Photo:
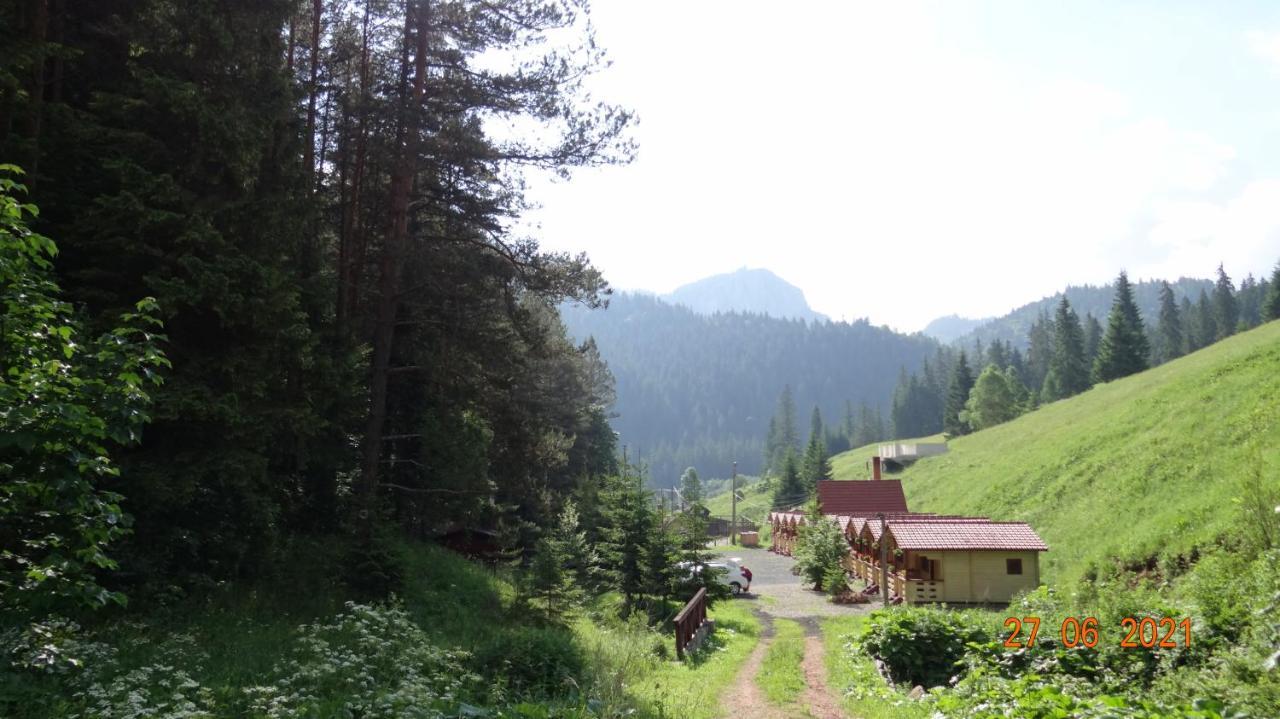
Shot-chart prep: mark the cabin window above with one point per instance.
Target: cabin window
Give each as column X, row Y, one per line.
column 1013, row 566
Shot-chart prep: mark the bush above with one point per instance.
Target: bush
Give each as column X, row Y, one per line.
column 369, row 662
column 920, row 646
column 532, row 662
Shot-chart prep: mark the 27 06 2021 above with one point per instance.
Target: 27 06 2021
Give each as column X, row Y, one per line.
column 1147, row 632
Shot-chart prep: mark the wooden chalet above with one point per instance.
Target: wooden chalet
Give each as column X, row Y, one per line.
column 931, row 558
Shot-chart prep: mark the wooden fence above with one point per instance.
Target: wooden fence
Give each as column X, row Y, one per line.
column 689, row 620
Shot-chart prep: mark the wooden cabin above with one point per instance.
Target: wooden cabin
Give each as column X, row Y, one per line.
column 954, row 560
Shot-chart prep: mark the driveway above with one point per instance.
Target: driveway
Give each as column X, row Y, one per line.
column 779, row 592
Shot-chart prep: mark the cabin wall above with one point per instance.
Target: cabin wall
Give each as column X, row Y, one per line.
column 981, row 576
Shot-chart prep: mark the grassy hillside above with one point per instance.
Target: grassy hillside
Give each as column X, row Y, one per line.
column 1150, row 466
column 457, row 632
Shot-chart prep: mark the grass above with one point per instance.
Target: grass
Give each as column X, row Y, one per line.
column 692, row 689
column 1145, row 470
column 781, row 677
column 241, row 639
column 854, row 464
column 757, row 500
column 853, row 677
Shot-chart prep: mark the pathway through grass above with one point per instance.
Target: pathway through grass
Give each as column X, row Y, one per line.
column 785, row 676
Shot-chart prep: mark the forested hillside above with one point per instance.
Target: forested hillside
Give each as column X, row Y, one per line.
column 1015, row 327
column 697, row 390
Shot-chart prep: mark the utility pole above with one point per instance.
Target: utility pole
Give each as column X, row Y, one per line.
column 884, row 559
column 733, row 497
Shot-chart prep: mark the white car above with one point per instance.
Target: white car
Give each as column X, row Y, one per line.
column 730, row 571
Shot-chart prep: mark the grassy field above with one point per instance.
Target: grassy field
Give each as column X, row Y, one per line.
column 781, row 676
column 1148, row 469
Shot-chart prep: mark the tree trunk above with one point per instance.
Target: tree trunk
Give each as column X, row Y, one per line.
column 35, row 110
column 309, row 152
column 353, row 242
column 389, row 264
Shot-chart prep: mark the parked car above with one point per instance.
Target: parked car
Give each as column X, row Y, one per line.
column 729, row 570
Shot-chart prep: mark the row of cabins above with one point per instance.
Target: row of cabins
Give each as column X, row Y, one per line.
column 931, row 558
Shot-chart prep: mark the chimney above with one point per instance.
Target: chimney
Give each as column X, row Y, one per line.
column 875, row 468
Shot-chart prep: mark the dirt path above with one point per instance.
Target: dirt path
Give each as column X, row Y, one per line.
column 817, row 697
column 744, row 700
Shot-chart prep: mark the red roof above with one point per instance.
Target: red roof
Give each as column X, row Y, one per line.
column 863, row 497
column 909, row 534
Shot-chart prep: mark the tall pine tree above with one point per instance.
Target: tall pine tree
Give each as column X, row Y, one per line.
column 1068, row 373
column 1124, row 348
column 957, row 396
column 1169, row 328
column 1271, row 307
column 1226, row 312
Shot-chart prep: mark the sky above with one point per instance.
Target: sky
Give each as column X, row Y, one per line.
column 902, row 161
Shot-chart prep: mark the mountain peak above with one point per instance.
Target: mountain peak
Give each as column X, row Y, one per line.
column 757, row 291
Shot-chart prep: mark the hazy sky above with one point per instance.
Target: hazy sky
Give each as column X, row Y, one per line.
column 902, row 161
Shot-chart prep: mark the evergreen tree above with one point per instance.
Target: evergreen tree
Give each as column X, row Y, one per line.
column 1039, row 350
column 848, row 428
column 552, row 590
column 957, row 395
column 691, row 487
column 667, row 580
column 820, row 547
column 1250, row 300
column 1271, row 306
column 1226, row 312
column 1206, row 323
column 1124, row 349
column 1169, row 341
column 1092, row 338
column 580, row 558
column 1190, row 331
column 628, row 512
column 1068, row 373
column 785, row 438
column 993, row 399
column 816, row 466
column 791, row 491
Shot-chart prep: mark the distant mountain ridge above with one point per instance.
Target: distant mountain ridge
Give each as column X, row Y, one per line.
column 756, row 291
column 951, row 327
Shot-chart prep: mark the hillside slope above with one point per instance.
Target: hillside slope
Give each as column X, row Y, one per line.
column 1148, row 466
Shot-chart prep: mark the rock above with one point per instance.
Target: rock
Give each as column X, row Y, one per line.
column 916, row 692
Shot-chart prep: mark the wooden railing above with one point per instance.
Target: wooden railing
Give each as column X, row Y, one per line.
column 689, row 620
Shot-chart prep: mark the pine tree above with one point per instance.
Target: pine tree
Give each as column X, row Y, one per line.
column 1189, row 326
column 1271, row 306
column 691, row 487
column 1226, row 311
column 1068, row 373
column 1039, row 350
column 816, row 466
column 1124, row 348
column 1206, row 324
column 791, row 490
column 1092, row 338
column 1250, row 299
column 628, row 512
column 552, row 590
column 1169, row 330
column 957, row 395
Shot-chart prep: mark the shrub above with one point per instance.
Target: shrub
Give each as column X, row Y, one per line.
column 920, row 646
column 369, row 661
column 532, row 662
